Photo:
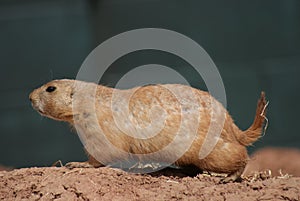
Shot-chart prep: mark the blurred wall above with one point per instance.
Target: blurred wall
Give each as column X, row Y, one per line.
column 255, row 45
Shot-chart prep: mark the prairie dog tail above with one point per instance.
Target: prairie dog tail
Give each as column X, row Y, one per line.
column 250, row 135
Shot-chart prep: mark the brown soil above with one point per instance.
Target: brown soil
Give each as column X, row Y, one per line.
column 278, row 160
column 59, row 183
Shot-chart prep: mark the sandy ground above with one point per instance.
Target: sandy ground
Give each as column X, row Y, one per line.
column 60, row 183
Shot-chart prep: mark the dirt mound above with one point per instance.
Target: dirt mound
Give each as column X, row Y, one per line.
column 112, row 184
column 278, row 160
column 5, row 168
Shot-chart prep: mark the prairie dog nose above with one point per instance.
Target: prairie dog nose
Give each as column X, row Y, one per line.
column 31, row 96
column 34, row 96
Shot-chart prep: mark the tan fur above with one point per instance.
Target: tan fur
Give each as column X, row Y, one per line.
column 228, row 156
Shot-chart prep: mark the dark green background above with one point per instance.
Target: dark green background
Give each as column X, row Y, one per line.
column 255, row 45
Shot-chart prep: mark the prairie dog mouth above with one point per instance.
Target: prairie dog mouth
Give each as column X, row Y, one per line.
column 40, row 111
column 35, row 106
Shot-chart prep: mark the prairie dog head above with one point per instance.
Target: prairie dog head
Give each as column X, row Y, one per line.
column 54, row 99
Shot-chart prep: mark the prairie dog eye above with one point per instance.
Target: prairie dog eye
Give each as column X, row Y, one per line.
column 50, row 89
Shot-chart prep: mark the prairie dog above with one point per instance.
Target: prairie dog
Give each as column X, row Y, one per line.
column 171, row 110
